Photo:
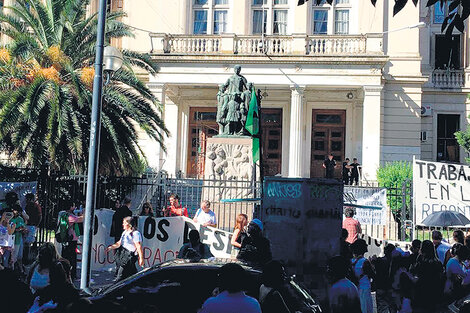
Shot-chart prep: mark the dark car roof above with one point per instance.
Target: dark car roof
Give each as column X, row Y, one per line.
column 177, row 263
column 210, row 265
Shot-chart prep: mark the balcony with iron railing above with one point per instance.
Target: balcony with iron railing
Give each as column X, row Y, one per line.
column 274, row 45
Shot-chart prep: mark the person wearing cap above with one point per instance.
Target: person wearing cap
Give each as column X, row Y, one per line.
column 255, row 247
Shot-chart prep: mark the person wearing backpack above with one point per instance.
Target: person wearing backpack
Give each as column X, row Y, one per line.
column 364, row 272
column 68, row 234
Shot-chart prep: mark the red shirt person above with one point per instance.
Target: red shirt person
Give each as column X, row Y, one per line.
column 175, row 208
column 351, row 225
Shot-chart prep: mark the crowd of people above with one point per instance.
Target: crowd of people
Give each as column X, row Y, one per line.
column 48, row 286
column 18, row 226
column 433, row 276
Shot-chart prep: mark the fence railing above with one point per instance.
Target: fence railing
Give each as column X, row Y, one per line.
column 336, row 45
column 55, row 188
column 400, row 210
column 448, row 78
column 297, row 44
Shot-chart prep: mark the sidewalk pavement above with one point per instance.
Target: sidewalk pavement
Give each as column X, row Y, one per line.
column 99, row 279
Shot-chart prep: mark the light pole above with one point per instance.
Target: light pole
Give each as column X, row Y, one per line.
column 113, row 61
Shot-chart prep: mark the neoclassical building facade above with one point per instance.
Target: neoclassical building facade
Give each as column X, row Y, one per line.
column 349, row 79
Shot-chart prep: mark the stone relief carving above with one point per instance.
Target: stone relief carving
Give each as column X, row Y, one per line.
column 228, row 162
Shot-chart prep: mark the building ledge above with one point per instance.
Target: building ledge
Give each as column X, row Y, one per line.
column 262, row 59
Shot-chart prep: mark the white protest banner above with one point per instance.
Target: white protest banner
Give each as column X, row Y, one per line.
column 370, row 204
column 438, row 187
column 162, row 239
column 21, row 188
column 217, row 239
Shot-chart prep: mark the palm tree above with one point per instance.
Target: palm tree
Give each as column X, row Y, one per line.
column 46, row 78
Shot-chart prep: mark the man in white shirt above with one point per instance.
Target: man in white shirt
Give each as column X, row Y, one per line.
column 205, row 215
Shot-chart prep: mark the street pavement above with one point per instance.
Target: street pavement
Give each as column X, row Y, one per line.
column 99, row 279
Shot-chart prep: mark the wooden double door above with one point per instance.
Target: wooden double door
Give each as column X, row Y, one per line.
column 328, row 136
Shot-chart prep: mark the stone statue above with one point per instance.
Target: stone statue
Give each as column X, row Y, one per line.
column 244, row 107
column 221, row 109
column 231, row 104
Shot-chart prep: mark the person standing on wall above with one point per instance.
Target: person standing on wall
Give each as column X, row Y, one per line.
column 329, row 165
column 131, row 243
column 346, row 171
column 354, row 166
column 116, row 227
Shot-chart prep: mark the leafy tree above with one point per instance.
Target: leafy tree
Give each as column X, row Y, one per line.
column 394, row 176
column 463, row 139
column 46, row 81
column 454, row 19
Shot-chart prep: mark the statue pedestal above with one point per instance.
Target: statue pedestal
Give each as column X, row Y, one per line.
column 228, row 173
column 229, row 158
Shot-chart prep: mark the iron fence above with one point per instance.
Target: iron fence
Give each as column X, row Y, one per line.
column 400, row 213
column 55, row 188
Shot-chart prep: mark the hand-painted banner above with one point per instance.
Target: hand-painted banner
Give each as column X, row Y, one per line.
column 162, row 239
column 440, row 186
column 370, row 204
column 21, row 188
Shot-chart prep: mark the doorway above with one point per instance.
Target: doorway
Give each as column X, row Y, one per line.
column 271, row 124
column 328, row 136
column 202, row 125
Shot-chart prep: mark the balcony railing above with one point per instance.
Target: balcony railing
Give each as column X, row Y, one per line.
column 448, row 78
column 310, row 45
column 336, row 45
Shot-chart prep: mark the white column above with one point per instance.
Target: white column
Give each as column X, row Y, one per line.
column 183, row 160
column 150, row 146
column 296, row 143
column 172, row 122
column 371, row 136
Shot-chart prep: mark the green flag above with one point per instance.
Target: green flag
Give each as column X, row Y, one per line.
column 252, row 124
column 252, row 120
